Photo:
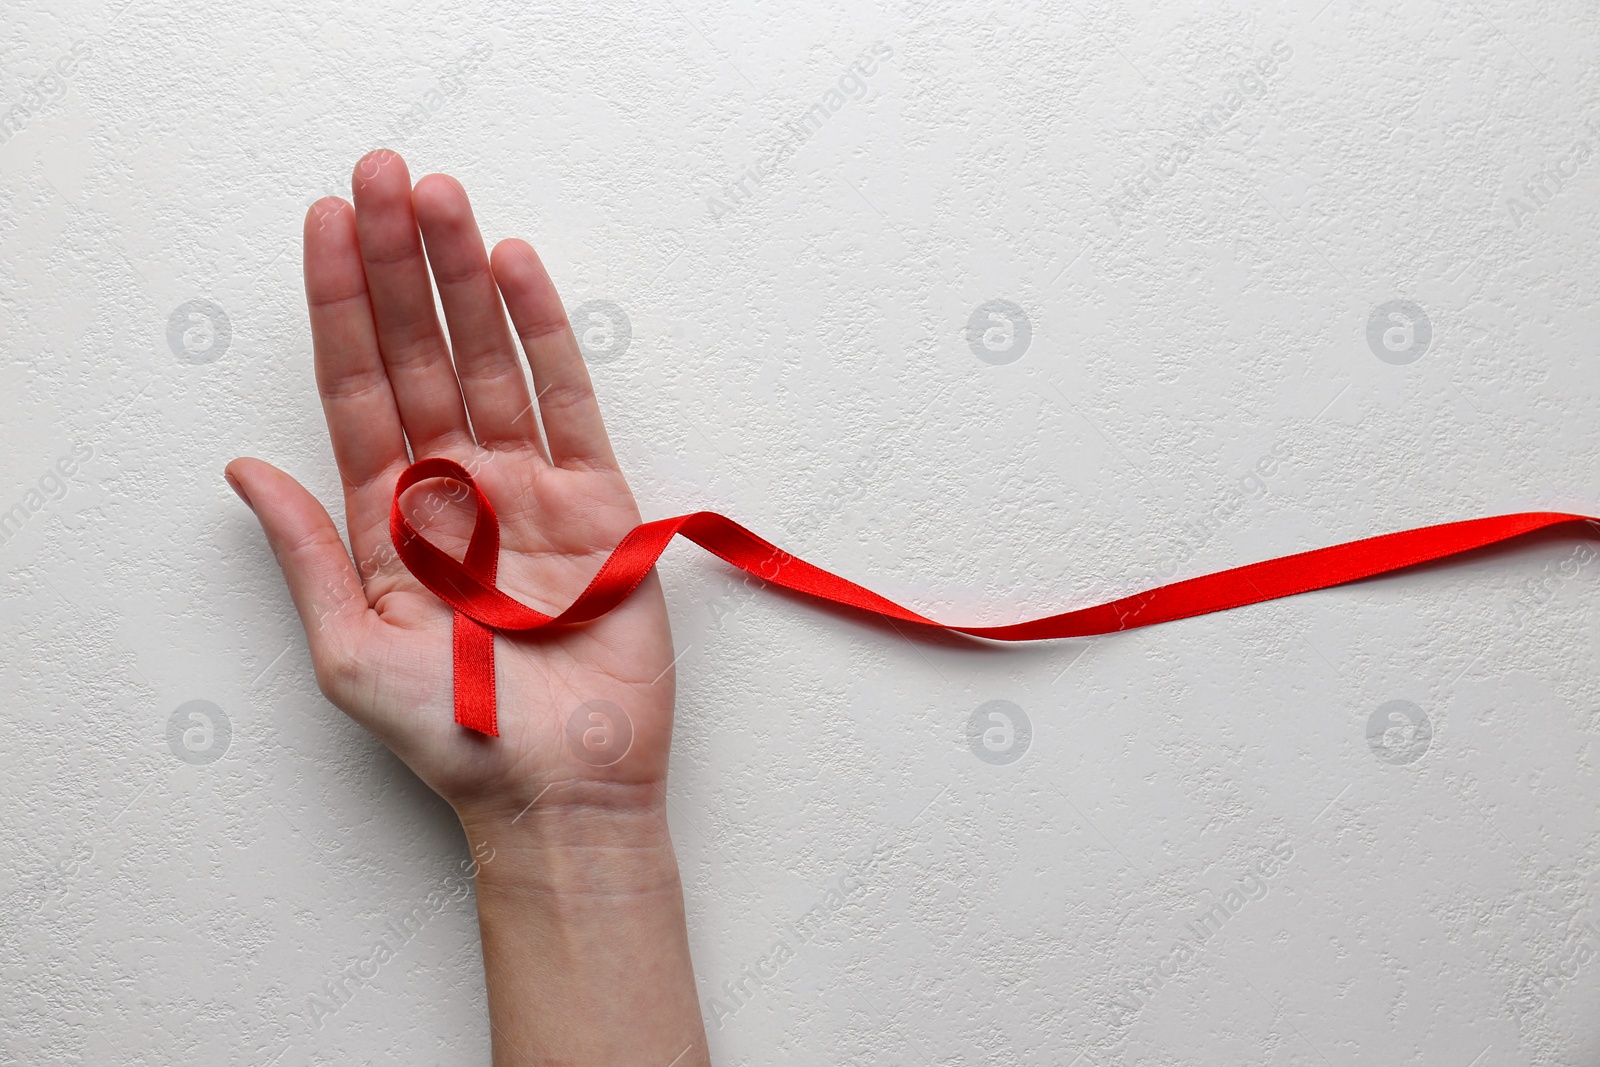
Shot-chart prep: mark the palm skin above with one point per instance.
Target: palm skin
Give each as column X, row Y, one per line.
column 388, row 378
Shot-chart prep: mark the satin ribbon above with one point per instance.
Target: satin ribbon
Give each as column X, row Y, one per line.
column 468, row 585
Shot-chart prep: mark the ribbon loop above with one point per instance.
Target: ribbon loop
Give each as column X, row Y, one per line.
column 468, row 585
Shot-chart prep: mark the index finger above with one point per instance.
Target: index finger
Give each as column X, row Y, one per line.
column 357, row 400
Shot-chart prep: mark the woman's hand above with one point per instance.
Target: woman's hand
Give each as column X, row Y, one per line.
column 585, row 949
column 380, row 641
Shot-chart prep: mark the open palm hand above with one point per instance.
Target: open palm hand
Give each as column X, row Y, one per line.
column 389, row 380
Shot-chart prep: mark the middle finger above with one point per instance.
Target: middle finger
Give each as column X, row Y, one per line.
column 413, row 345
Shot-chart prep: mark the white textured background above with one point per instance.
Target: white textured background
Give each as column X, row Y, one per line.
column 1197, row 303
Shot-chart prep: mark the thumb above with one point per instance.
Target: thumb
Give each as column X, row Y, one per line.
column 321, row 577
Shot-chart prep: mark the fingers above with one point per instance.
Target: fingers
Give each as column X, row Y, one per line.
column 357, row 401
column 321, row 578
column 409, row 337
column 567, row 406
column 493, row 382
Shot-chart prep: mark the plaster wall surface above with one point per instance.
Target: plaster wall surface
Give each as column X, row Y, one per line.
column 1053, row 303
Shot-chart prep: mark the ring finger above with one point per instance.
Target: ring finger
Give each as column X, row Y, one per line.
column 493, row 382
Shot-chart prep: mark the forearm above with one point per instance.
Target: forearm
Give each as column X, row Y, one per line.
column 585, row 947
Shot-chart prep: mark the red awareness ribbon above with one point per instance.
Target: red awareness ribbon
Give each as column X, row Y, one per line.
column 481, row 609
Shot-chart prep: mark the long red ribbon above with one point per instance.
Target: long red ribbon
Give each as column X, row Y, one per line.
column 480, row 608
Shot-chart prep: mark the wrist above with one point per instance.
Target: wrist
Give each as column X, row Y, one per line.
column 585, row 946
column 573, row 840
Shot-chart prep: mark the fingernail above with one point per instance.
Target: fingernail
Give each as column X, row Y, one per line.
column 237, row 488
